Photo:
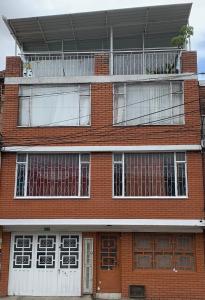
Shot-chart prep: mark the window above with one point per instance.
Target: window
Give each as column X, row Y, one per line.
column 52, row 175
column 148, row 104
column 49, row 105
column 108, row 252
column 149, row 175
column 164, row 251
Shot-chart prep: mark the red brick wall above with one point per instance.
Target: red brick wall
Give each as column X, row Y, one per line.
column 202, row 99
column 14, row 66
column 162, row 284
column 189, row 62
column 4, row 272
column 101, row 204
column 102, row 132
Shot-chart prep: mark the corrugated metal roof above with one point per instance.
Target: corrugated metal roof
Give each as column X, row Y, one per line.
column 47, row 32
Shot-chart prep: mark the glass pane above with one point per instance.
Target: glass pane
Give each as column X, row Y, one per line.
column 143, row 243
column 181, row 179
column 117, row 179
column 185, row 262
column 180, row 156
column 85, row 157
column 143, row 261
column 184, row 243
column 20, row 184
column 53, row 175
column 84, row 179
column 119, row 110
column 163, row 261
column 21, row 157
column 150, row 174
column 163, row 243
column 117, row 157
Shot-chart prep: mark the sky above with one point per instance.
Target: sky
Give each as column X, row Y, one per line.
column 30, row 8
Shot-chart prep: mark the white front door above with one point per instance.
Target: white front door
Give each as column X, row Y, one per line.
column 45, row 264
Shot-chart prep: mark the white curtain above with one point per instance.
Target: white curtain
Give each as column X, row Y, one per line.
column 54, row 105
column 68, row 66
column 150, row 103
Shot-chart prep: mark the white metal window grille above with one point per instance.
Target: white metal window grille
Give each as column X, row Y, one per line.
column 149, row 103
column 54, row 105
column 160, row 251
column 53, row 175
column 22, row 252
column 149, row 175
column 46, row 252
column 69, row 251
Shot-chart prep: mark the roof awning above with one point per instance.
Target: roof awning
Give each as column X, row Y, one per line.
column 90, row 30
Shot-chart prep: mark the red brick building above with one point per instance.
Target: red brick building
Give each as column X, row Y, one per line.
column 101, row 169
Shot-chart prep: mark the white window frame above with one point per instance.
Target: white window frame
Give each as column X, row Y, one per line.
column 124, row 123
column 51, row 126
column 149, row 197
column 51, row 197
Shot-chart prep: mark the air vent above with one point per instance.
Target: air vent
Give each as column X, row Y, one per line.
column 137, row 291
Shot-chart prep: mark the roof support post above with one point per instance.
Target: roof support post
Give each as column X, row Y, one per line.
column 143, row 55
column 111, row 51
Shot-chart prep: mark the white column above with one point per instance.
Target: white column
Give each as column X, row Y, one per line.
column 143, row 56
column 111, row 51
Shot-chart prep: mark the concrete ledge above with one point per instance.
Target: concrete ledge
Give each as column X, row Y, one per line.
column 99, row 78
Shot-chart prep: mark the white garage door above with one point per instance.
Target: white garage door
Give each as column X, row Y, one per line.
column 45, row 264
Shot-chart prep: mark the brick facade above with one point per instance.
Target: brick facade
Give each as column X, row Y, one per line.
column 159, row 283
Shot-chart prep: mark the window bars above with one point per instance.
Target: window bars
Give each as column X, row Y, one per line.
column 52, row 175
column 149, row 175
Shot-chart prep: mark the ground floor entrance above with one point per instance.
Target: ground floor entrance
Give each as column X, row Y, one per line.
column 45, row 264
column 108, row 265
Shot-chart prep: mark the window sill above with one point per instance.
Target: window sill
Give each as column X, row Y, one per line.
column 51, row 198
column 59, row 126
column 164, row 271
column 150, row 198
column 147, row 125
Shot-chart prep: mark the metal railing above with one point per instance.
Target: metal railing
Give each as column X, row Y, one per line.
column 146, row 62
column 149, row 61
column 58, row 64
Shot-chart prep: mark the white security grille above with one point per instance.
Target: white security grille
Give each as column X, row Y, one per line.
column 52, row 175
column 150, row 175
column 148, row 104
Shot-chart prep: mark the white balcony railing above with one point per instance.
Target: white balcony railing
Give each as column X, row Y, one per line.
column 86, row 63
column 58, row 64
column 146, row 62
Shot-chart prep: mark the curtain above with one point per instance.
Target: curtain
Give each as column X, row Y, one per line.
column 54, row 105
column 150, row 103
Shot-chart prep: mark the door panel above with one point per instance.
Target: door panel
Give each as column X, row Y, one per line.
column 45, row 265
column 109, row 263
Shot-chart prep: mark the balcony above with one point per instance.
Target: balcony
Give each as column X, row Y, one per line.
column 55, row 64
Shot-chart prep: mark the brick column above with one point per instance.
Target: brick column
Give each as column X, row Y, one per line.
column 189, row 62
column 102, row 64
column 4, row 273
column 14, row 66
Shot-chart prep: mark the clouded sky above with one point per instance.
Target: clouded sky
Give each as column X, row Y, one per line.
column 30, row 8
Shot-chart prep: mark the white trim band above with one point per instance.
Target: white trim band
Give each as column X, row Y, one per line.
column 104, row 222
column 151, row 148
column 99, row 79
column 104, row 225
